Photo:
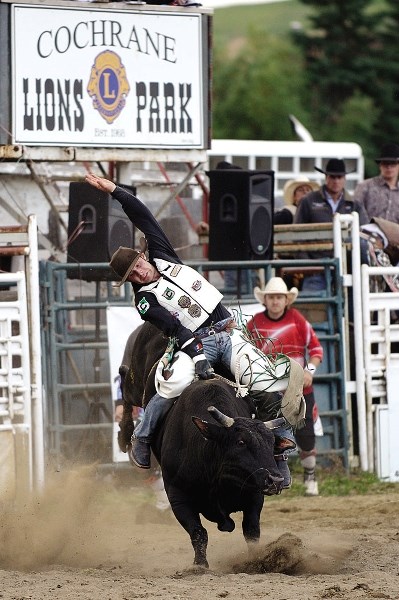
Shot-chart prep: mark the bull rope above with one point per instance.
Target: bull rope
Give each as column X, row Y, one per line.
column 242, row 390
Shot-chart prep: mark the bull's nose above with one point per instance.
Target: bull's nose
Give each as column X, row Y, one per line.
column 273, row 485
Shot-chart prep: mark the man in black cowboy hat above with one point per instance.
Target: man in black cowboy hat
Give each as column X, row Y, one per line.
column 320, row 207
column 380, row 195
column 187, row 308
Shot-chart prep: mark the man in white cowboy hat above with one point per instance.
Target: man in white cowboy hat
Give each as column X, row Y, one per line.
column 380, row 195
column 320, row 207
column 280, row 328
column 294, row 191
column 188, row 309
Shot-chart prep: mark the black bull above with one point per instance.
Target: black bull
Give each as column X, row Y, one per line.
column 208, row 468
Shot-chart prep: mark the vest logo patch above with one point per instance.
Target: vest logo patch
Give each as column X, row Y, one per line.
column 143, row 306
column 197, row 285
column 168, row 294
column 108, row 85
column 175, row 271
column 184, row 301
column 195, row 311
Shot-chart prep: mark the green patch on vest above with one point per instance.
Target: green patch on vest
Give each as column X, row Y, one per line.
column 143, row 306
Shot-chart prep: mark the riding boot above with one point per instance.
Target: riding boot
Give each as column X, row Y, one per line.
column 140, row 453
column 282, row 463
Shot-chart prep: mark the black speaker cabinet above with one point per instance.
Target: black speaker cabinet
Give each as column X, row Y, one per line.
column 241, row 206
column 98, row 223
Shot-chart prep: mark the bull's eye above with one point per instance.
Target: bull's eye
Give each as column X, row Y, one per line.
column 240, row 443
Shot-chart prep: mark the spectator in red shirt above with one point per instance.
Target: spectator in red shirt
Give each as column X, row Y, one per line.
column 282, row 329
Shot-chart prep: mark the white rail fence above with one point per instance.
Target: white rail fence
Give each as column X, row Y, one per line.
column 21, row 418
column 381, row 364
column 375, row 359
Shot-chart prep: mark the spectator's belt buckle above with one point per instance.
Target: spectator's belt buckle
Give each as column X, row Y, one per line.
column 211, row 331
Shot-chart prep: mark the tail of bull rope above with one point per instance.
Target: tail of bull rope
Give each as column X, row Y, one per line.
column 293, row 405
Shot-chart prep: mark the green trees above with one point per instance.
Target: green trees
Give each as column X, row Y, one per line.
column 352, row 71
column 339, row 75
column 388, row 82
column 344, row 70
column 257, row 88
column 339, row 49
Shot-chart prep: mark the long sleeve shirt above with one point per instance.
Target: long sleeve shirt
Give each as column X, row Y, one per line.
column 291, row 334
column 378, row 199
column 159, row 247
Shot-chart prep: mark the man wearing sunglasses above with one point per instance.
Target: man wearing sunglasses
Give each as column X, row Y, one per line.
column 380, row 195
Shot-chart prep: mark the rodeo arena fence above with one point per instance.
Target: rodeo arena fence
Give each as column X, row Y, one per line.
column 70, row 417
column 63, row 325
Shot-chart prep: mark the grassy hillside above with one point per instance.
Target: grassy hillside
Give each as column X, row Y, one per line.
column 234, row 22
column 277, row 17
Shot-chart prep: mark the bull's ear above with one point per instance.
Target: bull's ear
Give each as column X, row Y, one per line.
column 208, row 430
column 281, row 444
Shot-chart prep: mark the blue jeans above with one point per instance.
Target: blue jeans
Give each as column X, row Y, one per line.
column 314, row 283
column 282, row 464
column 217, row 348
column 155, row 410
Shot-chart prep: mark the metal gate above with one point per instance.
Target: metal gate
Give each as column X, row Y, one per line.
column 21, row 422
column 75, row 351
column 79, row 411
column 381, row 361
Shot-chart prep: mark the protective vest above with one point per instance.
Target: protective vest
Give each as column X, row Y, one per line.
column 184, row 293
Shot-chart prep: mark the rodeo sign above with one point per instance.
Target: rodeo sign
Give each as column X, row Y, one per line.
column 102, row 77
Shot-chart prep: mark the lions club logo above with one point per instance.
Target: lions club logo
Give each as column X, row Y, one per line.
column 108, row 85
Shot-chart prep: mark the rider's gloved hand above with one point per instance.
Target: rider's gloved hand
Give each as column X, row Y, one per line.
column 195, row 350
column 193, row 347
column 203, row 369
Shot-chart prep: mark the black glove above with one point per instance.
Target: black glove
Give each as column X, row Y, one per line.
column 203, row 369
column 195, row 350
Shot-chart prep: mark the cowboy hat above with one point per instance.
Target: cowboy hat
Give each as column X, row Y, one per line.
column 335, row 166
column 389, row 152
column 389, row 228
column 293, row 184
column 123, row 261
column 276, row 285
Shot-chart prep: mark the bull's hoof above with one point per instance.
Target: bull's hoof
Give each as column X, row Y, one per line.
column 227, row 525
column 200, row 567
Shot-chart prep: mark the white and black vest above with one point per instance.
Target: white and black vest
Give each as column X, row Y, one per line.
column 184, row 293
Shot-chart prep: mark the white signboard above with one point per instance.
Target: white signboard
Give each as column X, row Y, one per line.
column 96, row 77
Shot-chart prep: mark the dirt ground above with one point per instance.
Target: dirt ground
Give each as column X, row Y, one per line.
column 93, row 538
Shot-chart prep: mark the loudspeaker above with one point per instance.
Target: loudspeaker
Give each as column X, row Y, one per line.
column 103, row 224
column 241, row 206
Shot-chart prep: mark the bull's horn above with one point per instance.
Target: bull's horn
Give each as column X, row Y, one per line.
column 274, row 423
column 220, row 417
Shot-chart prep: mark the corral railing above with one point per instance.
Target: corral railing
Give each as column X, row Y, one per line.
column 355, row 326
column 21, row 402
column 79, row 411
column 381, row 363
column 75, row 351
